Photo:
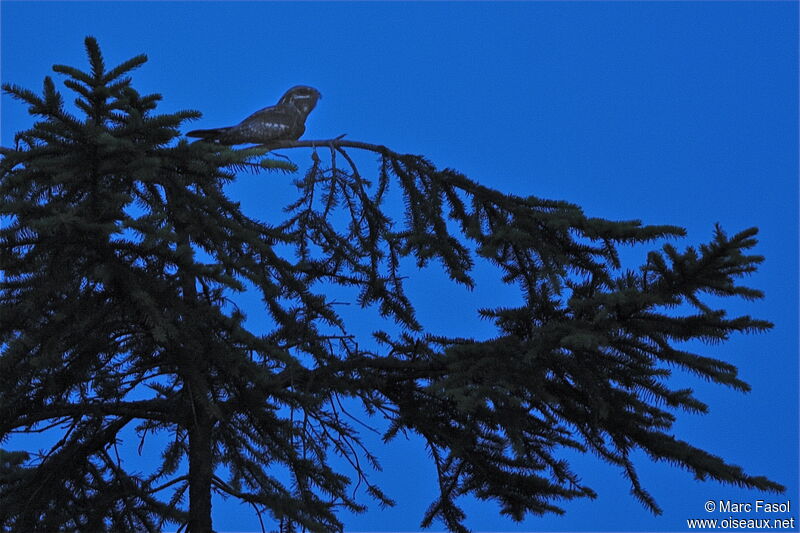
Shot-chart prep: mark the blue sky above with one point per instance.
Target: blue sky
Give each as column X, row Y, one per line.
column 678, row 113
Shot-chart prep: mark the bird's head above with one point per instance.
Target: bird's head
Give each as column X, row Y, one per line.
column 303, row 97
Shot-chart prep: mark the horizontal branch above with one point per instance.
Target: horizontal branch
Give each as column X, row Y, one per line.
column 144, row 409
column 337, row 142
column 400, row 369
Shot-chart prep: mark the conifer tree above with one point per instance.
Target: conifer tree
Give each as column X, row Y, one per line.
column 122, row 258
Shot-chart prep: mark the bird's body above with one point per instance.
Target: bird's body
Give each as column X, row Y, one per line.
column 285, row 120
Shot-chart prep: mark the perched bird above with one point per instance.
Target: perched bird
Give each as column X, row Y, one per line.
column 286, row 120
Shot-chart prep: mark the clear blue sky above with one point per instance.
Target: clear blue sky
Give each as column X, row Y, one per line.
column 671, row 112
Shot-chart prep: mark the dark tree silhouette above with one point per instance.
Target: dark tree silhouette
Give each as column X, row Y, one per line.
column 121, row 255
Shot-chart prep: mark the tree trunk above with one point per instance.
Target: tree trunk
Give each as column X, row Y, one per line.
column 195, row 372
column 200, row 467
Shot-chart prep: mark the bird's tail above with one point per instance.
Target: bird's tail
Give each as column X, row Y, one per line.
column 208, row 134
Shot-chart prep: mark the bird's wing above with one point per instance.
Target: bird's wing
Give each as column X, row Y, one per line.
column 272, row 122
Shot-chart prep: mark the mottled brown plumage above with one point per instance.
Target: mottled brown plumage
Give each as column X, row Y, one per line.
column 286, row 120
